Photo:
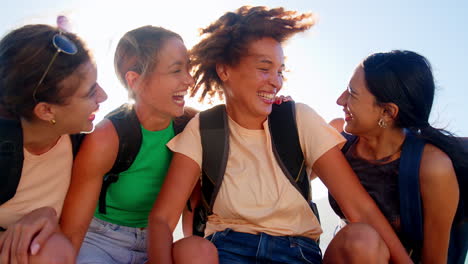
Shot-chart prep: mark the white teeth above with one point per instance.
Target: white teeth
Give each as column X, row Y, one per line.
column 183, row 93
column 268, row 96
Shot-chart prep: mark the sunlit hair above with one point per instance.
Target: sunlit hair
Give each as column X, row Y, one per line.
column 25, row 54
column 227, row 40
column 405, row 78
column 138, row 51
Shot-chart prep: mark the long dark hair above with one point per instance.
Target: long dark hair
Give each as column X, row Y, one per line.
column 405, row 79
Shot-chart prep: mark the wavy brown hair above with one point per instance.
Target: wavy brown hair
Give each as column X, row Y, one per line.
column 228, row 38
column 25, row 54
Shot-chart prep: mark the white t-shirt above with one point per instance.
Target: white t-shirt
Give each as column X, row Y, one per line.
column 255, row 195
column 44, row 182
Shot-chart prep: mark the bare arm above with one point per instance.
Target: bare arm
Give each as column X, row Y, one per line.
column 440, row 193
column 180, row 180
column 337, row 123
column 187, row 216
column 95, row 158
column 357, row 205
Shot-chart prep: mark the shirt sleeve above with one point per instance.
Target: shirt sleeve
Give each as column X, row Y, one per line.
column 188, row 142
column 315, row 135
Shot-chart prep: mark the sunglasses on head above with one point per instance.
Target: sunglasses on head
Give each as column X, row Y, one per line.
column 63, row 45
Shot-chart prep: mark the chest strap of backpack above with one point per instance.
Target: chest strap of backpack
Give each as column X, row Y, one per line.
column 411, row 215
column 11, row 157
column 128, row 130
column 287, row 149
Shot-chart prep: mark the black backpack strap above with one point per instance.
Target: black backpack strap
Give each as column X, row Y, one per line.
column 128, row 130
column 11, row 157
column 181, row 122
column 410, row 195
column 350, row 140
column 458, row 246
column 76, row 140
column 287, row 149
column 214, row 134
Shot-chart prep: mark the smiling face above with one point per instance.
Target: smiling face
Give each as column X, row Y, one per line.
column 362, row 113
column 78, row 113
column 164, row 88
column 251, row 85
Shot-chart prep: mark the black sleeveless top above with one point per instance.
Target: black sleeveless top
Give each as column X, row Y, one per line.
column 380, row 181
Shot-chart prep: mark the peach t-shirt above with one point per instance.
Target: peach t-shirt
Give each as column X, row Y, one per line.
column 44, row 182
column 255, row 195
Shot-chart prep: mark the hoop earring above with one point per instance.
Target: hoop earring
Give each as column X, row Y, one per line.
column 382, row 123
column 53, row 122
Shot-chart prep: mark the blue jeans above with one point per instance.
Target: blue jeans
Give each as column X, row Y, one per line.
column 235, row 247
column 109, row 243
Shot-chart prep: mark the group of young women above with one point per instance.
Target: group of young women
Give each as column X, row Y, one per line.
column 124, row 195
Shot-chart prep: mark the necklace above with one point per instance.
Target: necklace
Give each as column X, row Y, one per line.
column 386, row 158
column 376, row 161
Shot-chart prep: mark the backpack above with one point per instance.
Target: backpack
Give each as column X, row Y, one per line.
column 128, row 129
column 12, row 156
column 411, row 214
column 214, row 132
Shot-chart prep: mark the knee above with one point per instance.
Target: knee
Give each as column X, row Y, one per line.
column 360, row 237
column 57, row 249
column 360, row 242
column 194, row 249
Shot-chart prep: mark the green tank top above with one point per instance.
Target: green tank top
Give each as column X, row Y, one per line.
column 130, row 199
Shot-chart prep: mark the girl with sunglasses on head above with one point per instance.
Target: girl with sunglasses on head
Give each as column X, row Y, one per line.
column 153, row 65
column 258, row 215
column 48, row 95
column 388, row 100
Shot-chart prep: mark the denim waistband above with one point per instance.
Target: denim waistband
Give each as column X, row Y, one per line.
column 119, row 227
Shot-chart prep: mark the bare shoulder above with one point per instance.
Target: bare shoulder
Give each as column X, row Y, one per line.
column 436, row 166
column 337, row 123
column 103, row 136
column 99, row 148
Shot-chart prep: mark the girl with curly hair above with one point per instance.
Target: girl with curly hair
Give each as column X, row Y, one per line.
column 258, row 215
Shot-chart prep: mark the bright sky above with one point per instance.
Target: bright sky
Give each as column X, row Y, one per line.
column 320, row 61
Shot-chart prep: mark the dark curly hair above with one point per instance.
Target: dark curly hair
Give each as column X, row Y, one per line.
column 228, row 38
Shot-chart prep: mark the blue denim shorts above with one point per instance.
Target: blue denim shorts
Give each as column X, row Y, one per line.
column 109, row 243
column 236, row 247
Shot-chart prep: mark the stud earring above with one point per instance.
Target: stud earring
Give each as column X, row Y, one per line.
column 382, row 123
column 53, row 122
